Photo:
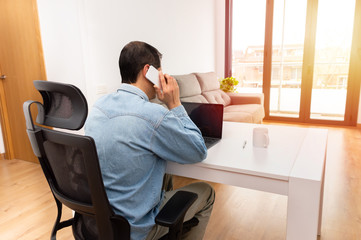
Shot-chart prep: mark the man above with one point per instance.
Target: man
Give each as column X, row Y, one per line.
column 135, row 138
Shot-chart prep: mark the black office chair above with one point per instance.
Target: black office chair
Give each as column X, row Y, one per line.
column 71, row 167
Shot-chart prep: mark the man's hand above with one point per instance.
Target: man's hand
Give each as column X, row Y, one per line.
column 169, row 94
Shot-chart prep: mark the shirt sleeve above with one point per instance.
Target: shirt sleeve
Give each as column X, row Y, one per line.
column 178, row 139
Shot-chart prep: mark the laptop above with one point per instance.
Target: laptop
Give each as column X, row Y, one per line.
column 208, row 118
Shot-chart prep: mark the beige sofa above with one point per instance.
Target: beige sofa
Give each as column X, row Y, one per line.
column 205, row 88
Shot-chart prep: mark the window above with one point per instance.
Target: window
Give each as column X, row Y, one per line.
column 312, row 74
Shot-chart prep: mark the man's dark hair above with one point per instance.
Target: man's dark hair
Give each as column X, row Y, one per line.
column 134, row 56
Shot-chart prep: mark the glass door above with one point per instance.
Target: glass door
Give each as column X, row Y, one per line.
column 248, row 44
column 302, row 54
column 289, row 21
column 332, row 59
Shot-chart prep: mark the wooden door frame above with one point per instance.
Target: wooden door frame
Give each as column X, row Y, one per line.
column 5, row 125
column 267, row 57
column 228, row 39
column 354, row 77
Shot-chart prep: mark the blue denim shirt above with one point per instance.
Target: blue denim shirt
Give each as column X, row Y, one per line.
column 134, row 139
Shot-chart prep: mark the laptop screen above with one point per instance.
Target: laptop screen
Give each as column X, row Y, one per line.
column 208, row 117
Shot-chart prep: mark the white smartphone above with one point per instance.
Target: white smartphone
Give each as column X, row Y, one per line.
column 153, row 75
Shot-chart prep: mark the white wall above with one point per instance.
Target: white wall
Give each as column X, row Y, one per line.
column 82, row 39
column 2, row 147
column 62, row 43
column 220, row 17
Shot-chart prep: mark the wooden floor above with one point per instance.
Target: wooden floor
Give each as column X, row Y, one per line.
column 27, row 210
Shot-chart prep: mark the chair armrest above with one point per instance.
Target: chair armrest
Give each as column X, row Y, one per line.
column 246, row 98
column 121, row 227
column 175, row 209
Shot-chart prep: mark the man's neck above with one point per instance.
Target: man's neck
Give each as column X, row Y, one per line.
column 146, row 87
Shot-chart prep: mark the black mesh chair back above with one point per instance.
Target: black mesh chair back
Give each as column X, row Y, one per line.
column 71, row 166
column 70, row 163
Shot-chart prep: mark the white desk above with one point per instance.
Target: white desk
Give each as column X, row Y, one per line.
column 292, row 165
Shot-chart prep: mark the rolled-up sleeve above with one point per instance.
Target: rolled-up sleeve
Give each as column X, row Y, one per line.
column 176, row 138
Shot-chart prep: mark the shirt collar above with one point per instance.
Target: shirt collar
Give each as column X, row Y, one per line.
column 134, row 90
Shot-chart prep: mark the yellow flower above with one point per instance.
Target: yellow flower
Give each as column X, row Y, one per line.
column 229, row 84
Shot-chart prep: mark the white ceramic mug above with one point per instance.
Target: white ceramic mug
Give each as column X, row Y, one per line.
column 260, row 137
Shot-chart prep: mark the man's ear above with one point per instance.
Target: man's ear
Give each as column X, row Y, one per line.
column 145, row 69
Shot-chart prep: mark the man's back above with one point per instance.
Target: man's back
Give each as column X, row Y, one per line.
column 134, row 138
